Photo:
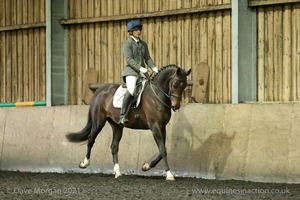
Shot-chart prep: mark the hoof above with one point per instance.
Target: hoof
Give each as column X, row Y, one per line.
column 118, row 174
column 170, row 176
column 117, row 170
column 84, row 164
column 146, row 167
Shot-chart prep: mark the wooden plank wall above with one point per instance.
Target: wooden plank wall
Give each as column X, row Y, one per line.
column 279, row 52
column 184, row 39
column 22, row 50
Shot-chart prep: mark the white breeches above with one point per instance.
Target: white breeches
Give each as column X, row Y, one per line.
column 130, row 83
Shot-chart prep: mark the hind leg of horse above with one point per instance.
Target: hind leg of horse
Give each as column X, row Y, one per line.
column 91, row 140
column 117, row 136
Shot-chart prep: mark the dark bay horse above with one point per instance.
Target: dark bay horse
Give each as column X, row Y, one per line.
column 162, row 93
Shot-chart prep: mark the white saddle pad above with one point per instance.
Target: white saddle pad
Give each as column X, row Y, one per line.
column 119, row 94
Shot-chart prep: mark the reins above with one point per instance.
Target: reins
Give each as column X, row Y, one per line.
column 152, row 83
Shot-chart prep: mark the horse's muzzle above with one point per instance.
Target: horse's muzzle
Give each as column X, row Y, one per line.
column 175, row 107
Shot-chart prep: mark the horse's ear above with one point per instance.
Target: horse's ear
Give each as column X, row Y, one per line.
column 188, row 72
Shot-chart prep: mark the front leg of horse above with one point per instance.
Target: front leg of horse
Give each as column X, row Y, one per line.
column 159, row 137
column 147, row 167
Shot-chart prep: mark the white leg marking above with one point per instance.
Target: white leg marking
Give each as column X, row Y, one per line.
column 85, row 163
column 170, row 176
column 117, row 170
column 146, row 167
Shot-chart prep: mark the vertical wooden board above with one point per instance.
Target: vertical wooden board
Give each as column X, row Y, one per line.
column 30, row 52
column 97, row 8
column 20, row 54
column 270, row 54
column 179, row 40
column 261, row 55
column 104, row 55
column 85, row 53
column 203, row 3
column 20, row 66
column 14, row 69
column 287, row 53
column 219, row 59
column 172, row 5
column 165, row 41
column 8, row 51
column 110, row 8
column 226, row 1
column 295, row 29
column 98, row 47
column 124, row 36
column 158, row 42
column 97, row 38
column 2, row 53
column 78, row 57
column 164, row 5
column 297, row 50
column 35, row 32
column 37, row 45
column 129, row 7
column 173, row 40
column 226, row 51
column 72, row 8
column 187, row 40
column 210, row 2
column 117, row 53
column 42, row 61
column 203, row 38
column 123, row 7
column 110, row 50
column 117, row 4
column 91, row 34
column 83, row 65
column 195, row 3
column 150, row 38
column 278, row 53
column 25, row 53
column 2, row 67
column 178, row 4
column 8, row 66
column 72, row 65
column 71, row 53
column 211, row 55
column 42, row 53
column 186, row 4
column 195, row 43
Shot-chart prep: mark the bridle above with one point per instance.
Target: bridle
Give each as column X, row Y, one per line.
column 170, row 96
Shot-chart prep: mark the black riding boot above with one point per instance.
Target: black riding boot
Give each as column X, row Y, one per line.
column 127, row 100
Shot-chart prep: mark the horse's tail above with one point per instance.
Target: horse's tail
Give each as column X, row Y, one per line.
column 83, row 134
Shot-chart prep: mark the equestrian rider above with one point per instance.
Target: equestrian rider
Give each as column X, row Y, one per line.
column 136, row 54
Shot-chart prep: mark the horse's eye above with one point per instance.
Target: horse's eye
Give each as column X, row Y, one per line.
column 176, row 84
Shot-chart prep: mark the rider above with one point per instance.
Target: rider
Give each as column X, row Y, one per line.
column 136, row 54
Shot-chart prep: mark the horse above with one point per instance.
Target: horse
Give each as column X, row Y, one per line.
column 162, row 92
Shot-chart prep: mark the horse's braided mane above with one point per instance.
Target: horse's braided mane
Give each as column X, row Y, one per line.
column 164, row 68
